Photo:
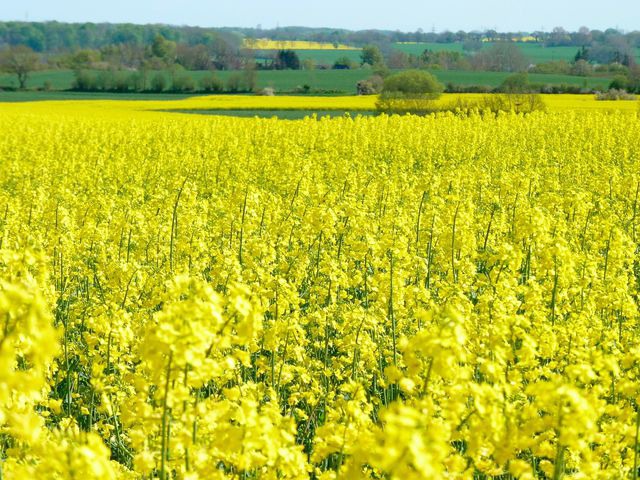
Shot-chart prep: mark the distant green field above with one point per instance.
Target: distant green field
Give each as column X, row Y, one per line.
column 418, row 48
column 536, row 52
column 493, row 79
column 337, row 81
column 327, row 57
column 327, row 81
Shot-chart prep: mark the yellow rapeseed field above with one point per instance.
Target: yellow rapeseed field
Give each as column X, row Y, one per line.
column 203, row 297
column 112, row 108
column 268, row 44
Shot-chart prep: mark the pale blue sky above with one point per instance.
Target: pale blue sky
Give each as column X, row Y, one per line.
column 406, row 15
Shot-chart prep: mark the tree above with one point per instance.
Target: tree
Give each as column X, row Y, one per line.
column 20, row 61
column 83, row 59
column 343, row 63
column 308, row 64
column 559, row 37
column 193, row 58
column 413, row 83
column 158, row 82
column 411, row 91
column 619, row 82
column 472, row 45
column 516, row 83
column 398, row 60
column 581, row 68
column 223, row 53
column 500, row 57
column 515, row 102
column 371, row 55
column 516, row 95
column 371, row 86
column 287, row 60
column 251, row 76
column 212, row 84
column 164, row 49
column 582, row 54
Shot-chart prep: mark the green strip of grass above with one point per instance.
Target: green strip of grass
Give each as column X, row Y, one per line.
column 34, row 96
column 281, row 114
column 333, row 82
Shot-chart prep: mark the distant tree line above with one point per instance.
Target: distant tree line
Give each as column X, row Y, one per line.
column 54, row 37
column 119, row 57
column 174, row 80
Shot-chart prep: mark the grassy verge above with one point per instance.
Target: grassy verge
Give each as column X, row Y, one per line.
column 35, row 96
column 337, row 82
column 280, row 114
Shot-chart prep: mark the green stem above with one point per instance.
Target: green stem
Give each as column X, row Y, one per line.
column 558, row 469
column 163, row 454
column 244, row 211
column 635, row 447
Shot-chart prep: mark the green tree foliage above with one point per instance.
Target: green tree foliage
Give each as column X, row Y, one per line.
column 20, row 61
column 183, row 82
column 582, row 54
column 287, row 60
column 371, row 55
column 619, row 82
column 164, row 49
column 516, row 83
column 83, row 59
column 500, row 57
column 343, row 63
column 413, row 83
column 211, row 84
column 445, row 59
column 411, row 91
column 472, row 45
column 194, row 57
column 158, row 83
column 250, row 75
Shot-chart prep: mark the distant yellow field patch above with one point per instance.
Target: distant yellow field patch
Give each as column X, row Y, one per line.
column 267, row 44
column 127, row 108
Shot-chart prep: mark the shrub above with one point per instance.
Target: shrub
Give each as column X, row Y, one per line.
column 105, row 80
column 235, row 83
column 412, row 91
column 287, row 60
column 122, row 83
column 396, row 103
column 211, row 84
column 370, row 86
column 514, row 102
column 158, row 82
column 453, row 88
column 516, row 83
column 553, row 67
column 414, row 84
column 619, row 82
column 84, row 81
column 343, row 63
column 615, row 94
column 266, row 92
column 183, row 83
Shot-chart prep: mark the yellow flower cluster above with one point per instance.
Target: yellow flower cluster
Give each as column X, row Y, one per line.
column 441, row 297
